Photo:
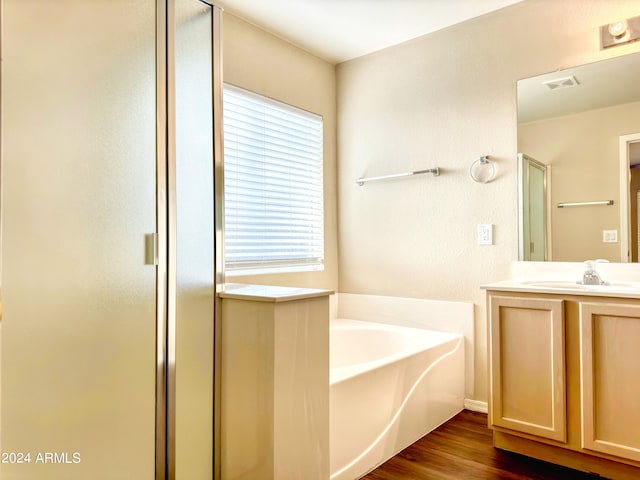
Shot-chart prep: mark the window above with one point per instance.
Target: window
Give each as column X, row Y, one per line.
column 273, row 199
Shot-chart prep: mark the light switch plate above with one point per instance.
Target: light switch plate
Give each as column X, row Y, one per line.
column 485, row 234
column 610, row 236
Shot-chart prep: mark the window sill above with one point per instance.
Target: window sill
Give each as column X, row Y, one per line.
column 274, row 270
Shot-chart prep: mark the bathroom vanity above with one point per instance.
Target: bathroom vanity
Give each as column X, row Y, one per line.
column 564, row 375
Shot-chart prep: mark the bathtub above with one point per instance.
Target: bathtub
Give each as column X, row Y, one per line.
column 389, row 386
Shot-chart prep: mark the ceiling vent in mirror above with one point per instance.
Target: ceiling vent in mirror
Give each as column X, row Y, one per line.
column 564, row 82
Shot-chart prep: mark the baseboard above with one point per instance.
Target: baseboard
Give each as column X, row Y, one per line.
column 476, row 405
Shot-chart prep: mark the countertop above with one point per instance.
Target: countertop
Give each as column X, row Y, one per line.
column 269, row 293
column 566, row 287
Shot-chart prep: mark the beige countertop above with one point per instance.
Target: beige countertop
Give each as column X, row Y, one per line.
column 269, row 293
column 566, row 287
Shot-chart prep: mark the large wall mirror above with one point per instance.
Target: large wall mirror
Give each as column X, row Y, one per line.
column 579, row 162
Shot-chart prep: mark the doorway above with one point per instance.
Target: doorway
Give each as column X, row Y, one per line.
column 629, row 154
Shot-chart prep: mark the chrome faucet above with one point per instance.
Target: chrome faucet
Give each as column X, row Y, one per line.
column 590, row 276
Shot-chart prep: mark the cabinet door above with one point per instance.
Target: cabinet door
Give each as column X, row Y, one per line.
column 610, row 384
column 528, row 365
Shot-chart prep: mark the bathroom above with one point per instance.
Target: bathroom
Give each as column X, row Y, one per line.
column 441, row 100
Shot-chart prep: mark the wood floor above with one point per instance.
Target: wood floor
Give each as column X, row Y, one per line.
column 462, row 449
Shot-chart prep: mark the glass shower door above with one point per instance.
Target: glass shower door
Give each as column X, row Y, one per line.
column 532, row 191
column 196, row 88
column 78, row 333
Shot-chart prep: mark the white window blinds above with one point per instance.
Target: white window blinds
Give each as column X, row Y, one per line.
column 273, row 200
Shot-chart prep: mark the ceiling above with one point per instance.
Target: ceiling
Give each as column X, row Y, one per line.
column 340, row 30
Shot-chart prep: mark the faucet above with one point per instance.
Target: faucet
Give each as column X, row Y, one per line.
column 590, row 276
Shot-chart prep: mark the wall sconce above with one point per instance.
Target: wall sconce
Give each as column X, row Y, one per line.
column 620, row 32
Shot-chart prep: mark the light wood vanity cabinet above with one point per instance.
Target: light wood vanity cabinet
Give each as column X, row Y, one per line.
column 610, row 378
column 565, row 379
column 528, row 365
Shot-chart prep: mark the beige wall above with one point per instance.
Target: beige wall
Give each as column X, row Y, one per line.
column 444, row 100
column 258, row 61
column 582, row 150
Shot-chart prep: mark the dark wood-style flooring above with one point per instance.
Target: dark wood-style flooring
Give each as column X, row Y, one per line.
column 462, row 449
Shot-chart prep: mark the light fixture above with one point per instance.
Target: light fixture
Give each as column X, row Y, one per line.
column 620, row 32
column 618, row 29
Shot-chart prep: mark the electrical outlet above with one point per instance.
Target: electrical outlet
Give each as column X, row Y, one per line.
column 485, row 234
column 610, row 236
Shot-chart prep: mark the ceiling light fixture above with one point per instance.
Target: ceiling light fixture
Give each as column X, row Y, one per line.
column 618, row 29
column 620, row 32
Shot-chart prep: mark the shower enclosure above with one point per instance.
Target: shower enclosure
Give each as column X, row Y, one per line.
column 532, row 206
column 109, row 142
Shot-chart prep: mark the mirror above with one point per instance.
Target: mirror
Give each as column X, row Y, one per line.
column 578, row 167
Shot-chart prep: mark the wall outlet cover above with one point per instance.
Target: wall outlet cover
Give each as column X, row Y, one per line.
column 485, row 234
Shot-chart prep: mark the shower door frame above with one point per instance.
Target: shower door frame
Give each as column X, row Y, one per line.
column 167, row 234
column 162, row 234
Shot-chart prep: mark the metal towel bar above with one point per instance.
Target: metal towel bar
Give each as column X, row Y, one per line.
column 582, row 204
column 434, row 171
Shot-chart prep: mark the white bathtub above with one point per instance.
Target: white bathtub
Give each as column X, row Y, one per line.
column 389, row 386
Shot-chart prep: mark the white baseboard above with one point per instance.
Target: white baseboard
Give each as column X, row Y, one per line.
column 476, row 405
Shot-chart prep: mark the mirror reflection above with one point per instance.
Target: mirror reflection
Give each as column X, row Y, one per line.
column 578, row 175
